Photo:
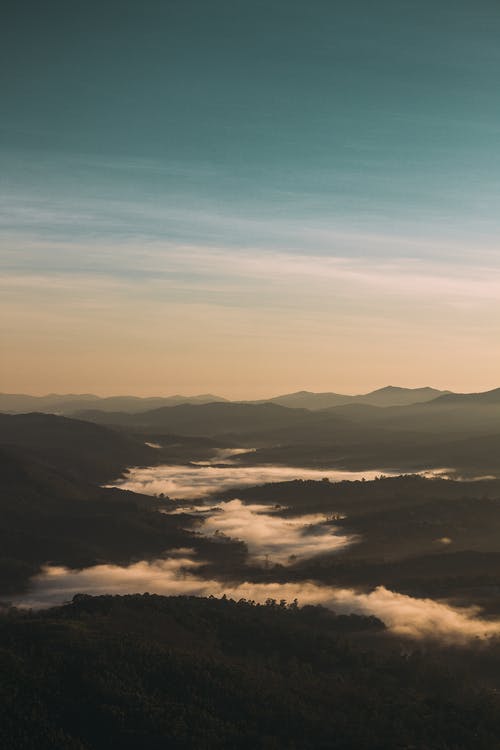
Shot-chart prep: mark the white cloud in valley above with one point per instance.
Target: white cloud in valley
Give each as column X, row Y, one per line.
column 403, row 615
column 192, row 481
column 268, row 535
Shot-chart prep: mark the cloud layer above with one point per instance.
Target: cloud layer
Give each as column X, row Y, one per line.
column 196, row 481
column 269, row 536
column 403, row 615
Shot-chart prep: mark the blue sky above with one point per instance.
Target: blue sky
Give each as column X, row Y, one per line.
column 249, row 197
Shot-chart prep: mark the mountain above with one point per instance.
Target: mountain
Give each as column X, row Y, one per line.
column 310, row 400
column 90, row 452
column 71, row 403
column 52, row 402
column 48, row 514
column 135, row 404
column 388, row 396
column 450, row 414
column 395, row 396
column 390, row 428
column 210, row 419
column 484, row 398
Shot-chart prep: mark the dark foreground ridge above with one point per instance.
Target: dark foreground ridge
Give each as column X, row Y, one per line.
column 155, row 672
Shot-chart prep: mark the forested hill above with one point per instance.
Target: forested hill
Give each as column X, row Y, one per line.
column 88, row 451
column 202, row 674
column 47, row 515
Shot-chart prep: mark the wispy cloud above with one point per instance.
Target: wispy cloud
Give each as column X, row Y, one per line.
column 167, row 266
column 271, row 291
column 264, row 320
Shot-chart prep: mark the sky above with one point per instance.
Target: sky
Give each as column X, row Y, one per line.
column 249, row 197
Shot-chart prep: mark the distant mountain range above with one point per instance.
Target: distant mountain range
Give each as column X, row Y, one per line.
column 388, row 396
column 53, row 403
column 313, row 421
column 69, row 404
column 482, row 398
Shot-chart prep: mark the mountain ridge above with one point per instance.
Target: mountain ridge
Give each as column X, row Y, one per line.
column 387, row 396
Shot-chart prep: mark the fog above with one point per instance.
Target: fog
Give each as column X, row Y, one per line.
column 403, row 615
column 267, row 535
column 188, row 482
column 225, row 455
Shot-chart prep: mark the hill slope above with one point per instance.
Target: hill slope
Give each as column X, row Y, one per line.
column 91, row 452
column 211, row 419
column 48, row 515
column 185, row 673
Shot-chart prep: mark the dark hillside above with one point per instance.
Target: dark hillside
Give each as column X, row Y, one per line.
column 210, row 419
column 205, row 674
column 47, row 515
column 90, row 452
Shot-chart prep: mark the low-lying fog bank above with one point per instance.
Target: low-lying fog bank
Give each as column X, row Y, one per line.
column 403, row 615
column 188, row 482
column 268, row 536
column 203, row 478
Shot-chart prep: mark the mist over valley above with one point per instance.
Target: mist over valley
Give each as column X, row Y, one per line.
column 250, row 375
